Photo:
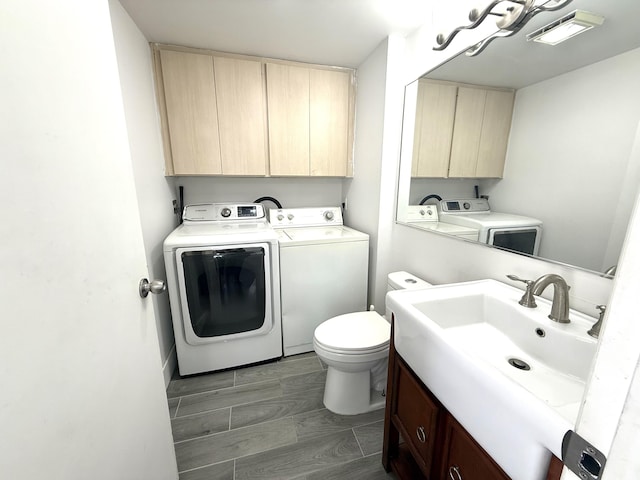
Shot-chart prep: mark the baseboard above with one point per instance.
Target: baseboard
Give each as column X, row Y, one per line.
column 170, row 365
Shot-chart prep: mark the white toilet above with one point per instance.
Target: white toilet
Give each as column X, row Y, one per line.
column 355, row 347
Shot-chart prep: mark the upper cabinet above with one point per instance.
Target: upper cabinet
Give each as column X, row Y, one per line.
column 310, row 120
column 461, row 130
column 241, row 116
column 191, row 113
column 235, row 115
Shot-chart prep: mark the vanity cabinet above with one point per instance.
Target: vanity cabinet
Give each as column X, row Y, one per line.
column 461, row 131
column 309, row 120
column 225, row 114
column 423, row 441
column 463, row 458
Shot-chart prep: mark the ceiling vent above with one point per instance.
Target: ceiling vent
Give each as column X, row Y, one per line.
column 566, row 27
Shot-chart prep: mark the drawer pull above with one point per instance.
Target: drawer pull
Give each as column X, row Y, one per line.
column 454, row 473
column 421, row 435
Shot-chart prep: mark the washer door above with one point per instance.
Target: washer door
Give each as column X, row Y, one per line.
column 225, row 292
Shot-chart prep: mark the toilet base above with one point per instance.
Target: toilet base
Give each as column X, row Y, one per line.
column 350, row 393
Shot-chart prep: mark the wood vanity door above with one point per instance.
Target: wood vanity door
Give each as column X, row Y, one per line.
column 464, row 459
column 416, row 415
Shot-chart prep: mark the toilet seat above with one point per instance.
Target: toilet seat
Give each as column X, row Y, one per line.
column 354, row 333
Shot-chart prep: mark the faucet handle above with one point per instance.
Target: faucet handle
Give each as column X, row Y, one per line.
column 527, row 300
column 594, row 331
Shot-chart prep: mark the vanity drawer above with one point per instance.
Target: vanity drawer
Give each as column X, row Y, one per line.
column 415, row 415
column 464, row 459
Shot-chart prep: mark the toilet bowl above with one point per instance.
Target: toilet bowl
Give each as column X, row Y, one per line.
column 355, row 348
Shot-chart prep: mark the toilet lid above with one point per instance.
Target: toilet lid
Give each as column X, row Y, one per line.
column 354, row 331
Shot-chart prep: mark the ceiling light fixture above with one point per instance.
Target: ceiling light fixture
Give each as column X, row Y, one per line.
column 566, row 27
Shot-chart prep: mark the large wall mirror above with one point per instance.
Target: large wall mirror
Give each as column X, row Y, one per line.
column 569, row 136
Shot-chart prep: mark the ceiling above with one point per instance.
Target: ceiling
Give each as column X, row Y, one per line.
column 329, row 32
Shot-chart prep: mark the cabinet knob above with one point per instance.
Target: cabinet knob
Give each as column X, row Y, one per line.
column 454, row 473
column 421, row 435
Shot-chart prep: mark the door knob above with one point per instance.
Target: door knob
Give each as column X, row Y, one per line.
column 155, row 286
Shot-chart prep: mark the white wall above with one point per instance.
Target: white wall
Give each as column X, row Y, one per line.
column 568, row 156
column 362, row 193
column 446, row 188
column 291, row 192
column 371, row 194
column 154, row 191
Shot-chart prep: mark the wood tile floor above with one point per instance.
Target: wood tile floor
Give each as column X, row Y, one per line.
column 268, row 422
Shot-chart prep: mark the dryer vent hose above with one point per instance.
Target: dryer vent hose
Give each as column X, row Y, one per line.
column 428, row 197
column 271, row 199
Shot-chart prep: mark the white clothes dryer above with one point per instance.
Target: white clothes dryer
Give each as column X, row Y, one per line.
column 224, row 287
column 507, row 231
column 324, row 269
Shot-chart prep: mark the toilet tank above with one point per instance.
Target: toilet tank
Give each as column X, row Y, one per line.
column 403, row 281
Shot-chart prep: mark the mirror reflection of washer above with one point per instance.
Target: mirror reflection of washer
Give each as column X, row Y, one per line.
column 323, row 271
column 224, row 287
column 504, row 230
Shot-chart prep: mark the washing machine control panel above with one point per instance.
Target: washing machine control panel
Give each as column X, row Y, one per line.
column 422, row 213
column 305, row 217
column 222, row 212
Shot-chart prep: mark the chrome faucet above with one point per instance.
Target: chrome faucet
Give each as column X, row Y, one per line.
column 560, row 303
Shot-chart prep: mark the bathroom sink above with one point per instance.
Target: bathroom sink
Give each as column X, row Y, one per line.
column 509, row 374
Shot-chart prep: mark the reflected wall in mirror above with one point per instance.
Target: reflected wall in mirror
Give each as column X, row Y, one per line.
column 570, row 144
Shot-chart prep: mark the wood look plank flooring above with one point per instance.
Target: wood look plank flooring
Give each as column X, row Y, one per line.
column 268, row 422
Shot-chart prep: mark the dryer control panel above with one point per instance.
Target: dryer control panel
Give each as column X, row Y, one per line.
column 222, row 212
column 305, row 217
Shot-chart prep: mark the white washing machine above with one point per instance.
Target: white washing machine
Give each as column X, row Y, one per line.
column 426, row 216
column 507, row 231
column 224, row 287
column 323, row 271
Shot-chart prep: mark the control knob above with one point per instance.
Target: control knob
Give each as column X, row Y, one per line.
column 328, row 215
column 280, row 217
column 290, row 216
column 225, row 212
column 466, row 205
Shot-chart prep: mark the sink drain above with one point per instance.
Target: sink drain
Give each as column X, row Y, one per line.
column 519, row 364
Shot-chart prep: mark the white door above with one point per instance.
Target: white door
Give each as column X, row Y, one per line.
column 82, row 394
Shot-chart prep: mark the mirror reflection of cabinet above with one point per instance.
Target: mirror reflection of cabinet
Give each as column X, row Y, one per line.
column 461, row 130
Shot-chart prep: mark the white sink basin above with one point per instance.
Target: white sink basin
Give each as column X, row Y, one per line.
column 459, row 339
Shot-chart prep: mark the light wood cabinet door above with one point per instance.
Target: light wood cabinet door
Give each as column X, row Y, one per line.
column 191, row 112
column 481, row 132
column 288, row 107
column 329, row 122
column 496, row 124
column 241, row 116
column 435, row 113
column 466, row 132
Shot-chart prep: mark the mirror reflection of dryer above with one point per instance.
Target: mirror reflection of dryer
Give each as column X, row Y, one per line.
column 323, row 271
column 511, row 232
